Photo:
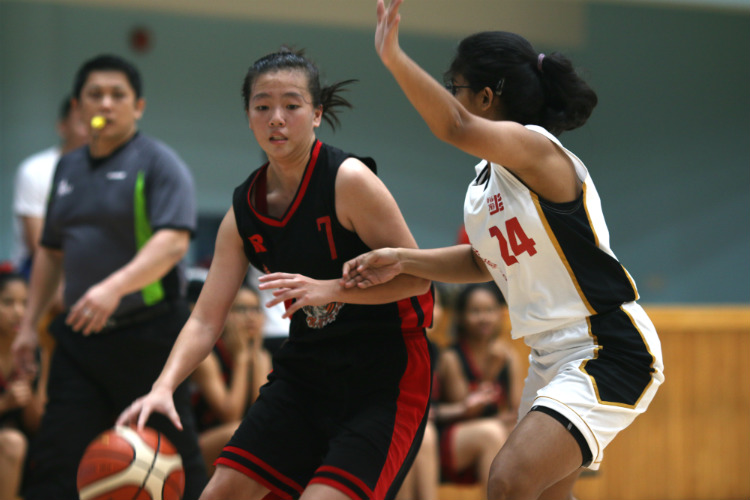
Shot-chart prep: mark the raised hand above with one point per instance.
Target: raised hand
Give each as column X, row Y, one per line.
column 386, row 33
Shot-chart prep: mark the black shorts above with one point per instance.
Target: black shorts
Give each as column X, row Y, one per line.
column 360, row 441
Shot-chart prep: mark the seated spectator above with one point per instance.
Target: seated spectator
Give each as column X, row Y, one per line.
column 478, row 389
column 228, row 381
column 20, row 410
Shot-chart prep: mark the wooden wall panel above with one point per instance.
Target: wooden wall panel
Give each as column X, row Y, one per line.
column 694, row 441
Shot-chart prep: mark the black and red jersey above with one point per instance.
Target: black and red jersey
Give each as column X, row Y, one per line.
column 309, row 240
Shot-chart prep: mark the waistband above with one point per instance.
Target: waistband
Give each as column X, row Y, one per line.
column 138, row 316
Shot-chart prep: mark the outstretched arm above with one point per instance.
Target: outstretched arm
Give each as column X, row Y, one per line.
column 456, row 264
column 201, row 330
column 540, row 163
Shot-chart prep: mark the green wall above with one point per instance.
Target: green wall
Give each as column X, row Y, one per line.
column 668, row 146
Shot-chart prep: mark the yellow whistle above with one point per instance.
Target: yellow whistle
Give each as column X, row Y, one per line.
column 98, row 122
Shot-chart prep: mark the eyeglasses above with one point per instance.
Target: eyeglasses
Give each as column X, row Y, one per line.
column 453, row 88
column 246, row 309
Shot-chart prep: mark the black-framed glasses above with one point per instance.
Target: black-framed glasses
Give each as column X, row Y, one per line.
column 453, row 88
column 240, row 309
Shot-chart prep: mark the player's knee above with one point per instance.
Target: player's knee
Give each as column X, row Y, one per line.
column 503, row 486
column 13, row 446
column 508, row 482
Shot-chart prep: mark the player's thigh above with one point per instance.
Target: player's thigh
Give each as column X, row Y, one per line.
column 229, row 484
column 279, row 443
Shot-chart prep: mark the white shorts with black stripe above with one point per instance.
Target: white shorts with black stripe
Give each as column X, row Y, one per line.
column 599, row 373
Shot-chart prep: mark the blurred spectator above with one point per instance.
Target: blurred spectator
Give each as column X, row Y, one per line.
column 20, row 409
column 32, row 186
column 276, row 328
column 228, row 381
column 478, row 389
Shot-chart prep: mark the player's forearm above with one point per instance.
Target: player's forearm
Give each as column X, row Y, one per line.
column 194, row 343
column 442, row 113
column 456, row 264
column 401, row 287
column 157, row 257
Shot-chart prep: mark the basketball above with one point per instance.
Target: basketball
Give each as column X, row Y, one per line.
column 124, row 463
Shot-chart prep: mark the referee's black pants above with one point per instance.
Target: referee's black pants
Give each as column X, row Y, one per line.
column 91, row 380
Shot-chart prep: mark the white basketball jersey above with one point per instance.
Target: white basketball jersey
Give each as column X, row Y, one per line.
column 552, row 261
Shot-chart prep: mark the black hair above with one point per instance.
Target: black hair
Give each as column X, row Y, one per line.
column 64, row 110
column 286, row 58
column 534, row 89
column 7, row 276
column 462, row 301
column 108, row 62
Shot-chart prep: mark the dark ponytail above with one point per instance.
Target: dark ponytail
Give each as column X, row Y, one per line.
column 534, row 89
column 569, row 100
column 328, row 97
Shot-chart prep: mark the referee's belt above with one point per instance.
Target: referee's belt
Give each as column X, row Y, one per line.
column 138, row 316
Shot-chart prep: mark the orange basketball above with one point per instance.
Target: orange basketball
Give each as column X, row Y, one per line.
column 124, row 463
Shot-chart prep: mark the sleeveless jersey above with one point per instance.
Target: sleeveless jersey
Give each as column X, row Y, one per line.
column 552, row 261
column 474, row 377
column 309, row 239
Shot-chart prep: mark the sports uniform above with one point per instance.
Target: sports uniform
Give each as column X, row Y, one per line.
column 346, row 402
column 473, row 375
column 101, row 212
column 595, row 356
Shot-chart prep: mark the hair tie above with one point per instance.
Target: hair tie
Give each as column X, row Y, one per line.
column 539, row 60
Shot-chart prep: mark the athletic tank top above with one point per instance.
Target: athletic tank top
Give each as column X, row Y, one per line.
column 552, row 261
column 474, row 376
column 309, row 239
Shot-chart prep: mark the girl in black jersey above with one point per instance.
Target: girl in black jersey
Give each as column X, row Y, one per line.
column 345, row 406
column 478, row 390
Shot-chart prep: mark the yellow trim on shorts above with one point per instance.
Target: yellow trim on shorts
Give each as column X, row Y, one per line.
column 597, row 348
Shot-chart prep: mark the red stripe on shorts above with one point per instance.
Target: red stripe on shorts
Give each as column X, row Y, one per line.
column 260, row 463
column 414, row 391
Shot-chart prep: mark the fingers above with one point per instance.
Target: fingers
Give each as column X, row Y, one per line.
column 142, row 408
column 25, row 361
column 86, row 318
column 128, row 414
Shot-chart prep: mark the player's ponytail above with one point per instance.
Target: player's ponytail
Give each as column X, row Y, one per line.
column 568, row 100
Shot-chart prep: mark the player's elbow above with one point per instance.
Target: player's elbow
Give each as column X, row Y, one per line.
column 451, row 130
column 421, row 285
column 177, row 245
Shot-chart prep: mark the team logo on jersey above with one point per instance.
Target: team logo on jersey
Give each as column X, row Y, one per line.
column 495, row 203
column 117, row 176
column 64, row 188
column 257, row 241
column 320, row 316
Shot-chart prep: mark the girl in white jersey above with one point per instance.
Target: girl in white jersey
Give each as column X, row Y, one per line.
column 536, row 228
